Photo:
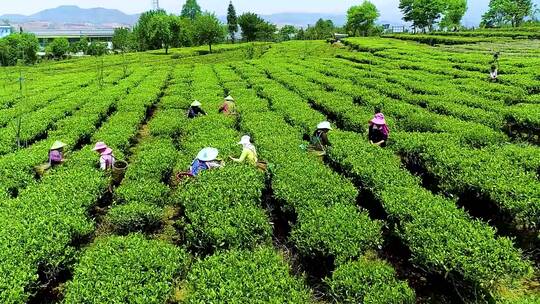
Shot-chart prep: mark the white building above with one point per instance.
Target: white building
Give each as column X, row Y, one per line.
column 5, row 30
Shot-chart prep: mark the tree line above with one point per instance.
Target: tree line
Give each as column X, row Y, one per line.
column 192, row 27
column 158, row 30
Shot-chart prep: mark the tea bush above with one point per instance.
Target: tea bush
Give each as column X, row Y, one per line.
column 127, row 269
column 368, row 281
column 134, row 217
column 240, row 276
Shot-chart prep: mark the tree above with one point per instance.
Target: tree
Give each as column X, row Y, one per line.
column 191, row 10
column 287, row 32
column 142, row 30
column 232, row 21
column 361, row 18
column 82, row 45
column 182, row 31
column 255, row 28
column 23, row 46
column 209, row 30
column 507, row 11
column 79, row 46
column 248, row 24
column 266, row 31
column 453, row 13
column 301, row 35
column 160, row 33
column 96, row 48
column 121, row 39
column 58, row 48
column 8, row 55
column 323, row 29
column 422, row 13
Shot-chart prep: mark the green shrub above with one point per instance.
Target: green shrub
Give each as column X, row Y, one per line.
column 127, row 269
column 368, row 281
column 339, row 231
column 240, row 276
column 143, row 191
column 222, row 207
column 167, row 123
column 134, row 217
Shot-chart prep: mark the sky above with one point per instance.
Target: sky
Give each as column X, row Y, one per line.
column 388, row 8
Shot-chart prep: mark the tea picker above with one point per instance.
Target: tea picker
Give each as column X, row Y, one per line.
column 195, row 110
column 494, row 71
column 107, row 161
column 56, row 153
column 106, row 157
column 56, row 157
column 378, row 130
column 319, row 142
column 249, row 154
column 206, row 159
column 228, row 107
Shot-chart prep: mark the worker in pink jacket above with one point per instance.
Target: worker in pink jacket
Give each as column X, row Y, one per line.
column 106, row 159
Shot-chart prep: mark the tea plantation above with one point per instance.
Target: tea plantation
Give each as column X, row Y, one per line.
column 448, row 212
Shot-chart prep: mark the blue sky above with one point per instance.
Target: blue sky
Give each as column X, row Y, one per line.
column 388, row 8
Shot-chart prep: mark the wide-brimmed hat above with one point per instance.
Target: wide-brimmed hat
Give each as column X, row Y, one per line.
column 208, row 154
column 379, row 119
column 324, row 125
column 196, row 103
column 100, row 146
column 58, row 145
column 229, row 98
column 245, row 140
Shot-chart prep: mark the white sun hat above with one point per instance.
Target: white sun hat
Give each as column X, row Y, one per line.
column 100, row 146
column 229, row 98
column 245, row 140
column 324, row 125
column 208, row 154
column 196, row 103
column 58, row 145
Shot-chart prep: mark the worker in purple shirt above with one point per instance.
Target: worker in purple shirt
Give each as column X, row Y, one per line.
column 106, row 157
column 56, row 153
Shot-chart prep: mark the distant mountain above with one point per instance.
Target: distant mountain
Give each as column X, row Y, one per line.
column 70, row 14
column 298, row 19
column 304, row 19
column 75, row 14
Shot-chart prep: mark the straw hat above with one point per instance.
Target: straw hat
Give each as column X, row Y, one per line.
column 324, row 125
column 58, row 145
column 245, row 140
column 208, row 154
column 229, row 98
column 379, row 119
column 100, row 146
column 196, row 103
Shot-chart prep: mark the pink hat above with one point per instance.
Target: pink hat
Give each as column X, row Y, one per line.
column 100, row 146
column 379, row 119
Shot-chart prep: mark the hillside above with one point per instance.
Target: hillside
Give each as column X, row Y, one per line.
column 446, row 212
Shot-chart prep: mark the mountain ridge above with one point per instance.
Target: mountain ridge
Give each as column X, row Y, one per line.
column 74, row 14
